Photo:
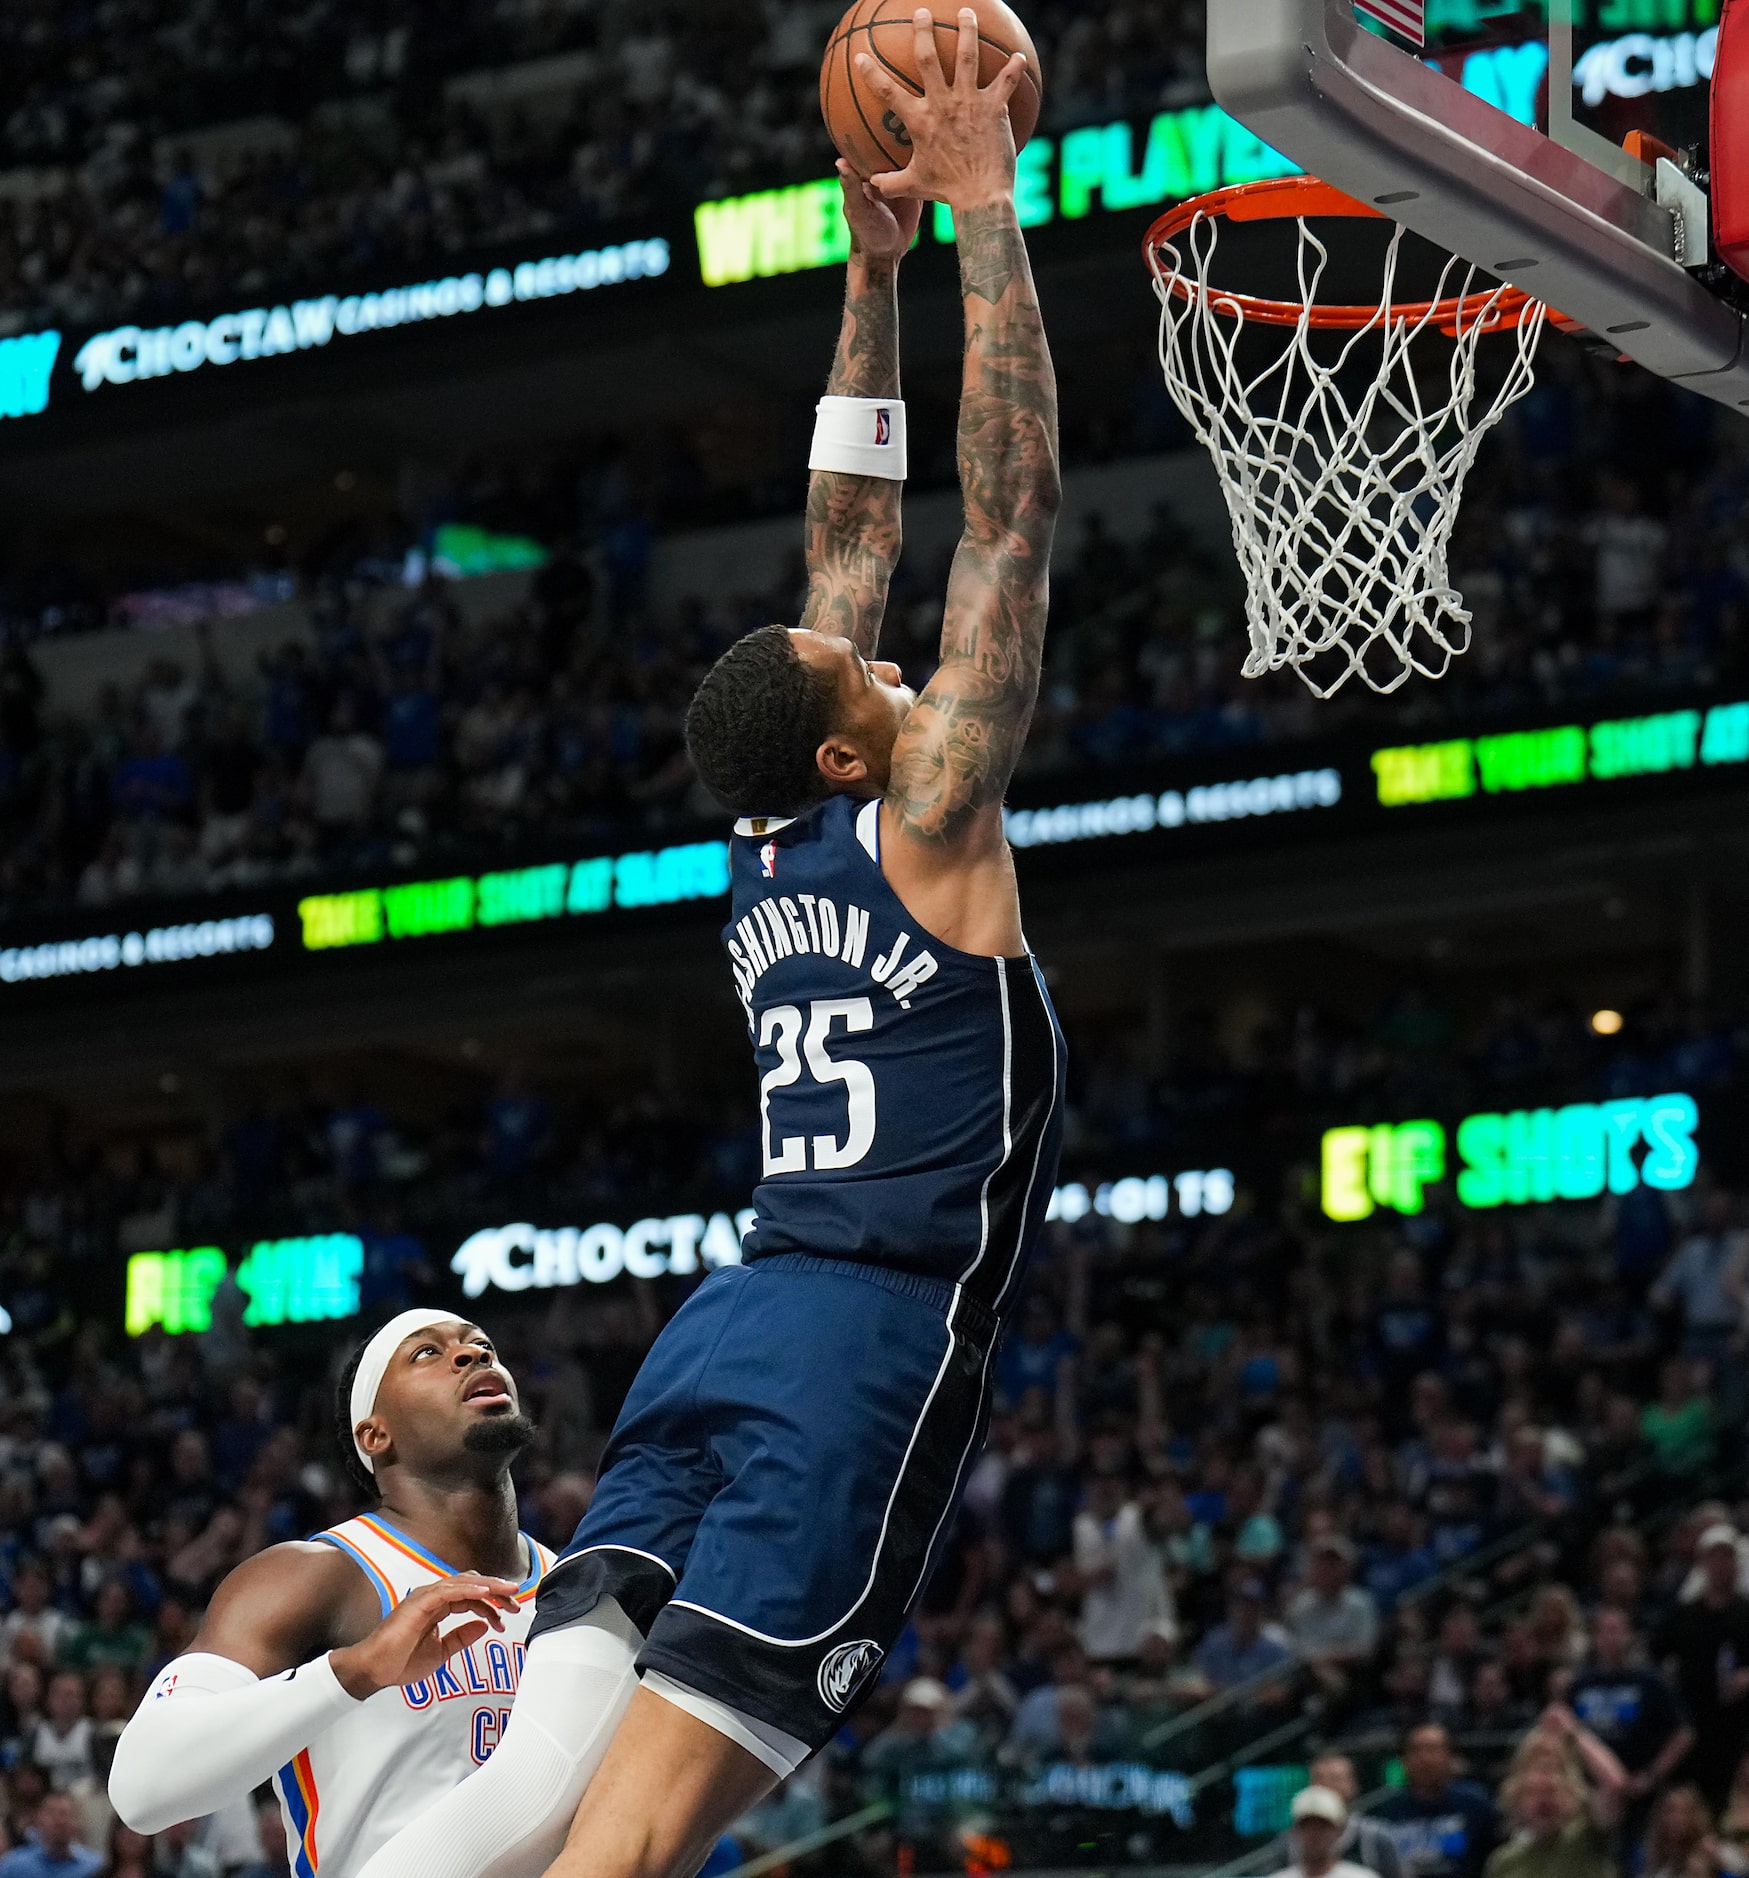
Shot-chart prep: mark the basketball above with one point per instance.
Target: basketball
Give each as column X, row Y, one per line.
column 869, row 135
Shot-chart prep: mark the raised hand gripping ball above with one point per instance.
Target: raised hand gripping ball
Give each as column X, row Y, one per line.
column 869, row 135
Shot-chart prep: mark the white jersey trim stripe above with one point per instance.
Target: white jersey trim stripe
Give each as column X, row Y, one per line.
column 868, row 830
column 1007, row 1122
column 570, row 1558
column 1038, row 1152
column 874, row 1568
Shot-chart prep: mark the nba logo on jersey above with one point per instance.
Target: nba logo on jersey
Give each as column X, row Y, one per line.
column 883, row 426
column 768, row 861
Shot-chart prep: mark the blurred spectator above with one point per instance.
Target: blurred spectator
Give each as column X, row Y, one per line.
column 1319, row 1820
column 926, row 1735
column 54, row 1851
column 1243, row 1649
column 33, row 1613
column 1333, row 1624
column 1707, row 1641
column 1036, row 1732
column 1680, row 1843
column 924, row 1739
column 1444, row 1827
column 1408, row 1329
column 1400, row 1559
column 1680, row 1426
column 1362, row 1841
column 342, row 771
column 1629, row 547
column 62, row 1746
column 1123, row 1578
column 111, row 1636
column 982, row 1691
column 179, row 1854
column 1629, row 1706
column 1563, row 1800
column 1694, row 1282
column 1034, row 1351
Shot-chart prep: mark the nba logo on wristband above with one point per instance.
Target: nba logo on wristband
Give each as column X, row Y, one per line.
column 860, row 437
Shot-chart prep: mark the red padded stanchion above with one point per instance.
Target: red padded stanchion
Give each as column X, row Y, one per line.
column 1730, row 139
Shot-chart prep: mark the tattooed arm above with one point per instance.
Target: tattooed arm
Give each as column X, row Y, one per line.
column 854, row 531
column 944, row 850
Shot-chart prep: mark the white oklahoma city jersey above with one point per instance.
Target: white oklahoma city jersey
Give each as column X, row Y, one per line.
column 377, row 1768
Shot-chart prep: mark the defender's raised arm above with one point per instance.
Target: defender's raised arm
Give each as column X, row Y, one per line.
column 955, row 756
column 854, row 528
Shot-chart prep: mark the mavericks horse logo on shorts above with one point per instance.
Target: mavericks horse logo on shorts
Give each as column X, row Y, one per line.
column 845, row 1670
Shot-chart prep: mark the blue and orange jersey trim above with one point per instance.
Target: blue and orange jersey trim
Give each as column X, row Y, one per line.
column 297, row 1784
column 539, row 1560
column 411, row 1548
column 378, row 1583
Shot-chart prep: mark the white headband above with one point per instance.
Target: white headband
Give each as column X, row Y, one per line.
column 374, row 1365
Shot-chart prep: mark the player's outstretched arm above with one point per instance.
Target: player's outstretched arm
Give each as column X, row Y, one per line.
column 954, row 759
column 854, row 531
column 291, row 1642
column 956, row 756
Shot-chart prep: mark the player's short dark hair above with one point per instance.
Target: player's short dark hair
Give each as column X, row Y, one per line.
column 355, row 1470
column 756, row 724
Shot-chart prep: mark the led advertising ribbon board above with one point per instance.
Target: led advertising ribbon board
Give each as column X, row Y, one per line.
column 422, row 909
column 98, row 953
column 1655, row 46
column 1520, row 760
column 1523, row 1158
column 287, row 1281
column 316, row 1280
column 1457, row 770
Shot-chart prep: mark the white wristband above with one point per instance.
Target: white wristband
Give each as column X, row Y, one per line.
column 861, row 437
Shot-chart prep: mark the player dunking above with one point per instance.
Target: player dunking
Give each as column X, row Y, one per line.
column 321, row 1666
column 789, row 1460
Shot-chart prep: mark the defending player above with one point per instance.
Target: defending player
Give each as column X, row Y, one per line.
column 326, row 1667
column 791, row 1456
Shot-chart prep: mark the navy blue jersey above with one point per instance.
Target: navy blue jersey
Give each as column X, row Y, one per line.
column 911, row 1095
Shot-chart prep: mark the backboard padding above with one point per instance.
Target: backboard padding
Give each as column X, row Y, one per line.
column 1350, row 108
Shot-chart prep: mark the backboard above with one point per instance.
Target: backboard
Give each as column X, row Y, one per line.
column 1501, row 138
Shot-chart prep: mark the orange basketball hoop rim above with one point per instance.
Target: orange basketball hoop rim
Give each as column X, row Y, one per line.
column 1303, row 198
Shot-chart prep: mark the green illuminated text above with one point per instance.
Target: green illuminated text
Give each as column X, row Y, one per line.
column 665, row 877
column 1521, row 1158
column 1519, row 760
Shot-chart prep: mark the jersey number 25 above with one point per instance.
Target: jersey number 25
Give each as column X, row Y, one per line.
column 782, row 1026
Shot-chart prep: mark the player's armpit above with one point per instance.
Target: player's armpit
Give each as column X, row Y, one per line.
column 954, row 759
column 286, row 1605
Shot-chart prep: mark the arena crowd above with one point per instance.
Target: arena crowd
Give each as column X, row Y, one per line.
column 400, row 738
column 169, row 159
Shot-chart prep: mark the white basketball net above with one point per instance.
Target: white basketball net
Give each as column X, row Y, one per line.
column 1342, row 496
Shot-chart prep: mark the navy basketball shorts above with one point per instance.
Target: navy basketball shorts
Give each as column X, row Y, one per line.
column 781, row 1481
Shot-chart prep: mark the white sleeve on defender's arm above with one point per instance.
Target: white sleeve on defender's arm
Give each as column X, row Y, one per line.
column 210, row 1731
column 510, row 1819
